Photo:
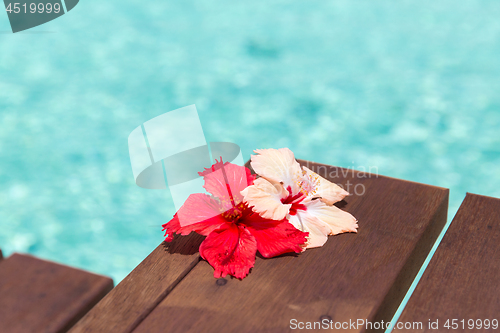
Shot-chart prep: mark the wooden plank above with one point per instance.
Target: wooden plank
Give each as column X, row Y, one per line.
column 41, row 296
column 141, row 291
column 354, row 276
column 462, row 280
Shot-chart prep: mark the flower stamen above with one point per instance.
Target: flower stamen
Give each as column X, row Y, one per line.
column 308, row 184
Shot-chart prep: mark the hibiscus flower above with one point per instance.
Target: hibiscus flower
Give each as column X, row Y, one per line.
column 285, row 190
column 234, row 232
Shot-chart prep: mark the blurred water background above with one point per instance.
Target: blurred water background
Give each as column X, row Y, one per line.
column 411, row 87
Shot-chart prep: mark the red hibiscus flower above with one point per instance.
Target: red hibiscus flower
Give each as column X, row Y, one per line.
column 234, row 232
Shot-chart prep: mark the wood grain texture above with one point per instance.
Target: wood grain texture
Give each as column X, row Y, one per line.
column 462, row 280
column 354, row 276
column 141, row 291
column 41, row 296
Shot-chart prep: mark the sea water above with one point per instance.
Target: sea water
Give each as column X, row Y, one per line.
column 409, row 87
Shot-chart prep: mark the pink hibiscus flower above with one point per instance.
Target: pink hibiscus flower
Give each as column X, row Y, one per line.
column 234, row 232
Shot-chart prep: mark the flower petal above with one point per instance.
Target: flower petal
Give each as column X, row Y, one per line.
column 230, row 250
column 277, row 166
column 317, row 231
column 199, row 211
column 329, row 192
column 275, row 237
column 171, row 227
column 216, row 166
column 336, row 219
column 266, row 199
column 321, row 220
column 226, row 180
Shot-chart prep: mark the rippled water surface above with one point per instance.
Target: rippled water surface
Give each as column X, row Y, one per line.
column 411, row 87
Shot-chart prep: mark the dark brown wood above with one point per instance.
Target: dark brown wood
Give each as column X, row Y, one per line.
column 1, row 255
column 41, row 296
column 141, row 291
column 354, row 276
column 462, row 280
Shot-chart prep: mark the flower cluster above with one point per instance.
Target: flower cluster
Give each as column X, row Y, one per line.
column 286, row 209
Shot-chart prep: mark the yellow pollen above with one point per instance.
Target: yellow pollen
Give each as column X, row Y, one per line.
column 308, row 184
column 233, row 213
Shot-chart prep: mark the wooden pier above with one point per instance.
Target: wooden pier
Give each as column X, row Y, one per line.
column 461, row 286
column 41, row 296
column 363, row 275
column 353, row 277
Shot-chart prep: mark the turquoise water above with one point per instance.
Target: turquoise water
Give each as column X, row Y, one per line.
column 411, row 87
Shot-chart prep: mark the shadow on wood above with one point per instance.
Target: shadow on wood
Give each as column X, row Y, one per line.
column 186, row 245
